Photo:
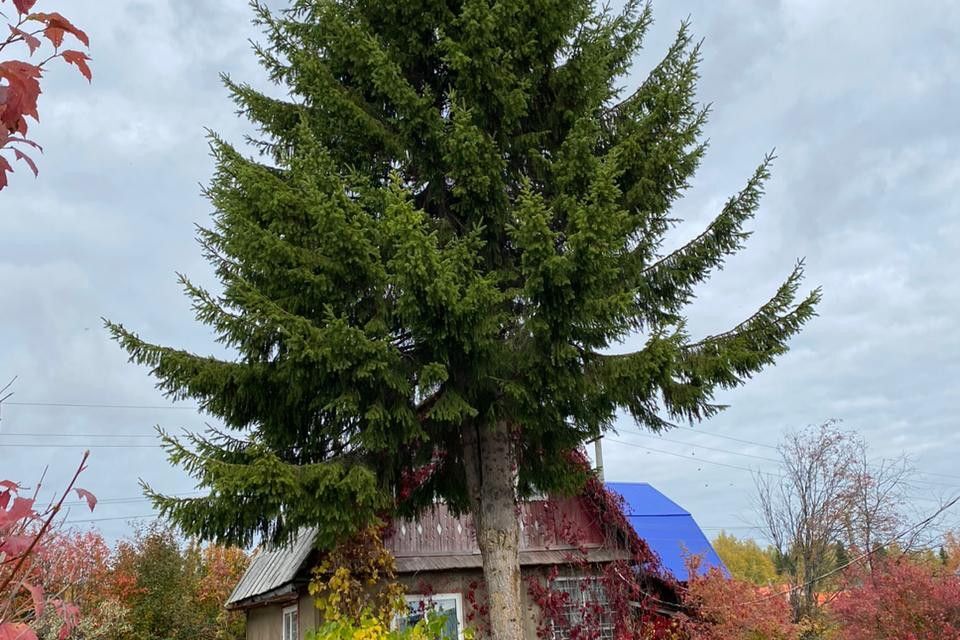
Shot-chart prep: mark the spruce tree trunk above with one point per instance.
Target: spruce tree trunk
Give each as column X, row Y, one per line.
column 490, row 470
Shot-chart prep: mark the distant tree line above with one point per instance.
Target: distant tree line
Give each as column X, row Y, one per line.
column 849, row 554
column 150, row 585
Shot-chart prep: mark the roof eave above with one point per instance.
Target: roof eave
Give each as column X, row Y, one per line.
column 280, row 593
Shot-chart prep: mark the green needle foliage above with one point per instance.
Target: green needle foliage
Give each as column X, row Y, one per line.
column 454, row 212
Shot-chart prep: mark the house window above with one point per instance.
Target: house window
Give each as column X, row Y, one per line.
column 290, row 630
column 585, row 609
column 449, row 605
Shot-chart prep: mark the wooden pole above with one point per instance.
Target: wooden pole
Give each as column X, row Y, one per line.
column 598, row 454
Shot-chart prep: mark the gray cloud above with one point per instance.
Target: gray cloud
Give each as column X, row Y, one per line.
column 857, row 100
column 858, row 103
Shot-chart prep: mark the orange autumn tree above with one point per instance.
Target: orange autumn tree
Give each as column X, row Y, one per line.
column 151, row 585
column 220, row 571
column 78, row 565
column 20, row 76
column 172, row 588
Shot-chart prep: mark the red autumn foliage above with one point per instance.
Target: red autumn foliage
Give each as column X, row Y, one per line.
column 898, row 599
column 721, row 608
column 20, row 79
column 75, row 564
column 26, row 537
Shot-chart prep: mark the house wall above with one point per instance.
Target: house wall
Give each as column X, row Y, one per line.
column 264, row 623
column 469, row 583
column 561, row 523
column 308, row 614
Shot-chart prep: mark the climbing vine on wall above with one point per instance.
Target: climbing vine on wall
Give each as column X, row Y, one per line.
column 357, row 579
column 623, row 597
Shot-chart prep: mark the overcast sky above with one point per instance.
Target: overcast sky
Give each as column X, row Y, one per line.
column 860, row 103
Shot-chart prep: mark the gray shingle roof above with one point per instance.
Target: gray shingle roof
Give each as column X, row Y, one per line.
column 272, row 569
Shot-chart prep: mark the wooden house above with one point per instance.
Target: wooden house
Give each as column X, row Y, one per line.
column 565, row 544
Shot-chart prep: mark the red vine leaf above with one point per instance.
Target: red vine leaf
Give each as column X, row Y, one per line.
column 79, row 58
column 89, row 497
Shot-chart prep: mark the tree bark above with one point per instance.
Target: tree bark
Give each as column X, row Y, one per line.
column 490, row 471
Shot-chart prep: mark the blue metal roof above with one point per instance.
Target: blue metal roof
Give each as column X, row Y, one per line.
column 669, row 529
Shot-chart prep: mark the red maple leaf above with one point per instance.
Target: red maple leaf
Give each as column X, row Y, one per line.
column 79, row 58
column 57, row 26
column 19, row 97
column 20, row 85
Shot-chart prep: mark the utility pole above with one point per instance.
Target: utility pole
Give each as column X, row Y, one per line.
column 598, row 454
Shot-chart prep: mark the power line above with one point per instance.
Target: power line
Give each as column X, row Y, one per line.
column 87, row 520
column 82, row 405
column 104, row 405
column 703, row 446
column 718, row 435
column 195, row 408
column 766, row 473
column 691, row 457
column 767, row 446
column 77, row 435
column 130, row 499
column 680, row 455
column 37, row 445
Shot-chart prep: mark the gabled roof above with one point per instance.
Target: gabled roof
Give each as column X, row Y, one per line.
column 668, row 529
column 272, row 571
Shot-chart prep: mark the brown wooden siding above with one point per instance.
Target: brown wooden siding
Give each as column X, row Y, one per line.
column 545, row 526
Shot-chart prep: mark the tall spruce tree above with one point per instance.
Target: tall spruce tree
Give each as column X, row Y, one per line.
column 455, row 212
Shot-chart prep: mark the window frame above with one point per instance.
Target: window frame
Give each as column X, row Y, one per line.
column 604, row 627
column 417, row 598
column 284, row 612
